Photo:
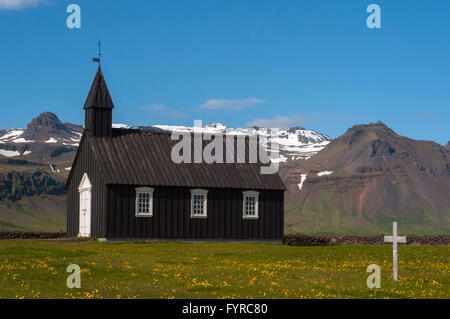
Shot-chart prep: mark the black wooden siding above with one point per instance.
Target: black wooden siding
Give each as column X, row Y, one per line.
column 98, row 122
column 172, row 215
column 85, row 162
column 113, row 209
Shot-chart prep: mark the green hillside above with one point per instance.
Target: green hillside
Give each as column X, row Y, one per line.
column 31, row 197
column 44, row 213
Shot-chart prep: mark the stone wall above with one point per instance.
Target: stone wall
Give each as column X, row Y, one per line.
column 30, row 235
column 290, row 240
column 305, row 240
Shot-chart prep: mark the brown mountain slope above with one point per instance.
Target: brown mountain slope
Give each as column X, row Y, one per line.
column 377, row 176
column 47, row 125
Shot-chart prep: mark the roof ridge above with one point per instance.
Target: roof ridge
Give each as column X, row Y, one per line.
column 140, row 131
column 167, row 132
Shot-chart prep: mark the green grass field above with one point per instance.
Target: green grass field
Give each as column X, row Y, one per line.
column 37, row 269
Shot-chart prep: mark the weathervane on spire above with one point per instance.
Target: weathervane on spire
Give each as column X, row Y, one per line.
column 99, row 53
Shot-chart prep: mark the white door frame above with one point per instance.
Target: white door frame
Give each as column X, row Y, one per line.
column 85, row 190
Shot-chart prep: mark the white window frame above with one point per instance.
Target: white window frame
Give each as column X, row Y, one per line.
column 203, row 192
column 144, row 190
column 250, row 194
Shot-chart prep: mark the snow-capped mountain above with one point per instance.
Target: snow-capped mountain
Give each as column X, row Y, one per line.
column 295, row 143
column 44, row 139
column 46, row 128
column 47, row 139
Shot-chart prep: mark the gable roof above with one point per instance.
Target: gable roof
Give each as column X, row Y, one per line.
column 99, row 96
column 85, row 183
column 143, row 158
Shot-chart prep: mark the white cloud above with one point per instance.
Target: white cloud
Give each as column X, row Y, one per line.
column 176, row 114
column 162, row 108
column 19, row 4
column 278, row 121
column 153, row 107
column 231, row 105
column 428, row 116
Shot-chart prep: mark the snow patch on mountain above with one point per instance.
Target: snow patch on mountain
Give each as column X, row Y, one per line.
column 279, row 159
column 302, row 180
column 52, row 140
column 120, row 126
column 8, row 153
column 12, row 134
column 324, row 173
column 21, row 140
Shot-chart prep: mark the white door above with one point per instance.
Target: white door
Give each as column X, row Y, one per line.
column 85, row 213
column 85, row 189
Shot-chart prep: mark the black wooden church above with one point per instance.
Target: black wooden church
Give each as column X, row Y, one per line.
column 123, row 184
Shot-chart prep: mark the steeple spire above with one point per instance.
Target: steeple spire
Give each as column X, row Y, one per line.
column 98, row 96
column 98, row 108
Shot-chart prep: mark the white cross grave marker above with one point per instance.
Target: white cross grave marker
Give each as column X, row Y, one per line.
column 394, row 239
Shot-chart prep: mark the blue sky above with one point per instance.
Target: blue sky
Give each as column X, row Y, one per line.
column 278, row 63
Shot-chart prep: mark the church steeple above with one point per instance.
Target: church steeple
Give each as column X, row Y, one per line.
column 98, row 108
